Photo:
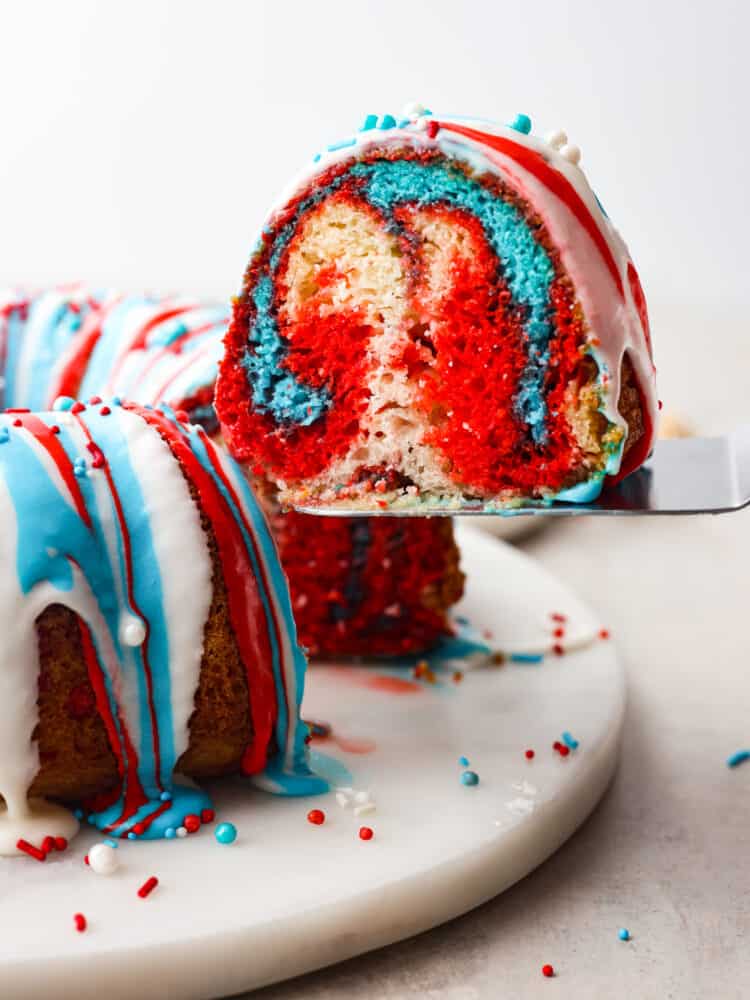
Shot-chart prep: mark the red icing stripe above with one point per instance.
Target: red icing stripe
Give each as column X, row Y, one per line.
column 51, row 443
column 139, row 342
column 535, row 163
column 69, row 380
column 245, row 605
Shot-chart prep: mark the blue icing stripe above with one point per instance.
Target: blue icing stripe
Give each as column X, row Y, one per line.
column 109, row 344
column 526, row 267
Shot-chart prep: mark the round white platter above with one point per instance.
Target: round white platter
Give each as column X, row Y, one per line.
column 288, row 896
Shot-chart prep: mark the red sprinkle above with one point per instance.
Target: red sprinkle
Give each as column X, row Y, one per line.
column 80, row 922
column 548, row 971
column 556, row 745
column 457, row 677
column 77, row 408
column 105, row 411
column 365, row 833
column 148, row 886
column 529, row 755
column 33, row 852
column 86, row 859
column 192, row 823
column 95, row 400
column 604, row 633
column 316, row 816
column 557, row 617
column 55, row 429
column 563, row 750
column 207, row 815
column 18, row 423
column 557, row 649
column 183, row 416
column 48, row 844
column 432, row 129
column 660, row 404
column 559, row 632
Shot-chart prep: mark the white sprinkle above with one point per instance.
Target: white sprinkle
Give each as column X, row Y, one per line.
column 571, row 153
column 361, row 797
column 557, row 139
column 343, row 799
column 413, row 110
column 182, row 831
column 365, row 808
column 132, row 631
column 103, row 859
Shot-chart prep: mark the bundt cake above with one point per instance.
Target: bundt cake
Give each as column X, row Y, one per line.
column 146, row 624
column 76, row 341
column 439, row 309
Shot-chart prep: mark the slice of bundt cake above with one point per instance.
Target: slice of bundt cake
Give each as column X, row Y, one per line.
column 143, row 604
column 439, row 308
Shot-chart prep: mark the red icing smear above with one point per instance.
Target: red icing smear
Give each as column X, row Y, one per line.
column 79, row 353
column 117, row 732
column 51, row 443
column 480, row 355
column 639, row 299
column 245, row 605
column 536, row 165
column 128, row 553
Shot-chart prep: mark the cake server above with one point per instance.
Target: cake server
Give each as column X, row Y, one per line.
column 682, row 476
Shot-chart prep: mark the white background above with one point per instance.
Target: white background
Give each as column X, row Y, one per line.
column 142, row 142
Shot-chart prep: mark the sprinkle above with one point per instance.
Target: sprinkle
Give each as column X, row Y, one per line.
column 341, row 145
column 61, row 844
column 557, row 617
column 529, row 755
column 559, row 632
column 623, row 934
column 48, row 844
column 463, row 761
column 77, row 408
column 738, row 758
column 660, row 404
column 78, row 813
column 316, row 817
column 569, row 741
column 207, row 815
column 469, row 778
column 181, row 832
column 192, row 823
column 18, row 423
column 4, row 435
column 343, row 799
column 548, row 971
column 33, row 852
column 526, row 657
column 558, row 650
column 369, row 123
column 170, row 833
column 165, row 796
column 105, row 411
column 386, row 122
column 95, row 400
column 365, row 833
column 604, row 633
column 148, row 886
column 63, row 403
column 103, row 860
column 80, row 921
column 432, row 129
column 132, row 835
column 316, row 159
column 563, row 750
column 521, row 123
column 111, row 843
column 457, row 676
column 365, row 808
column 226, row 833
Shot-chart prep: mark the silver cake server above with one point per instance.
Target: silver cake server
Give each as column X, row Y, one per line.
column 683, row 476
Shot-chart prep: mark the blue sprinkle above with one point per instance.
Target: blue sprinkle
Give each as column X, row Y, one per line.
column 569, row 741
column 386, row 122
column 131, row 836
column 78, row 813
column 315, row 160
column 403, row 123
column 526, row 657
column 738, row 758
column 111, row 843
column 521, row 123
column 426, row 111
column 165, row 796
column 170, row 833
column 623, row 934
column 63, row 403
column 341, row 145
column 116, row 401
column 226, row 833
column 469, row 778
column 463, row 761
column 370, row 122
column 4, row 435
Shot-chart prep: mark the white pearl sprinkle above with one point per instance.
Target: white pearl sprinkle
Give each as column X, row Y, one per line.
column 557, row 138
column 413, row 110
column 132, row 631
column 571, row 153
column 364, row 809
column 103, row 859
column 361, row 797
column 343, row 799
column 181, row 831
